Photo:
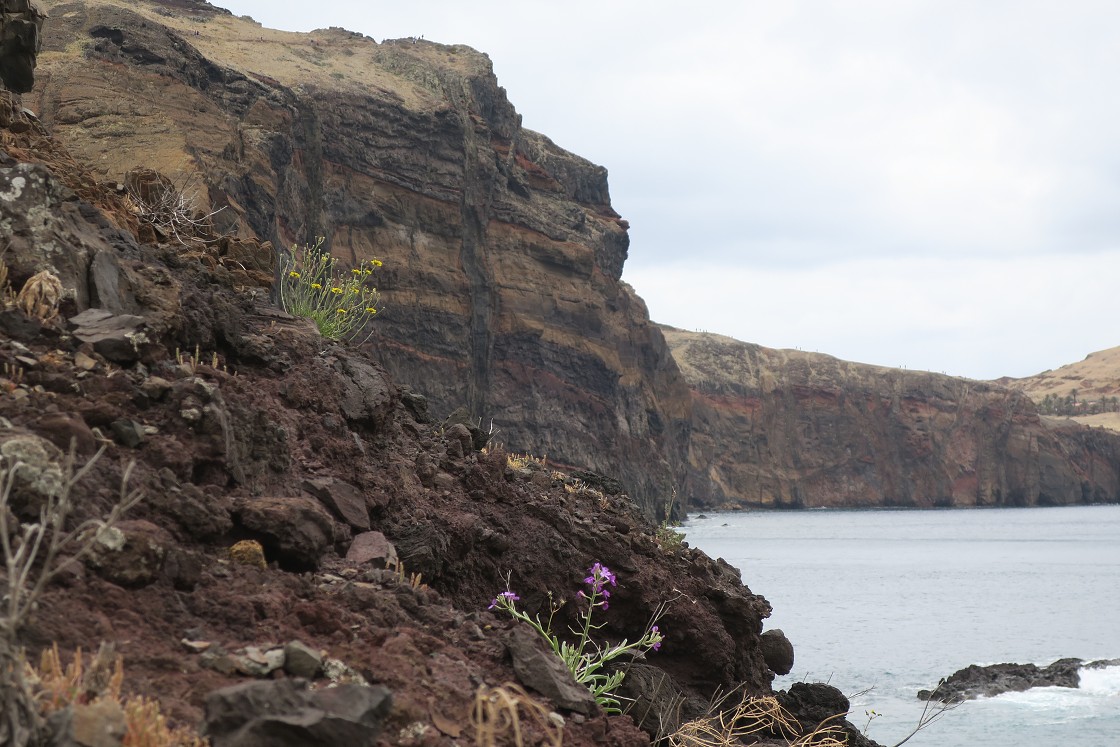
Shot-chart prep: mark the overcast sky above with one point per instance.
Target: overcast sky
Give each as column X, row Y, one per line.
column 933, row 185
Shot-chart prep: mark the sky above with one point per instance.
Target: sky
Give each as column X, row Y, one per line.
column 929, row 185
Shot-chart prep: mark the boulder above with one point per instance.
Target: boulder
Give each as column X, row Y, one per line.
column 296, row 531
column 777, row 651
column 284, row 713
column 538, row 668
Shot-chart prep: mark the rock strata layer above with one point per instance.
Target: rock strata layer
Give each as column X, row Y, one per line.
column 502, row 253
column 790, row 429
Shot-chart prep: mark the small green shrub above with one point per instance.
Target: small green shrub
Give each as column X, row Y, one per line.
column 341, row 304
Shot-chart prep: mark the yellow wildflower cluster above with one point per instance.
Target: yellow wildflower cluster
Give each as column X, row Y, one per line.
column 341, row 305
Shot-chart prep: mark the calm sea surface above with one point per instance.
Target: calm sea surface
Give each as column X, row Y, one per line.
column 895, row 600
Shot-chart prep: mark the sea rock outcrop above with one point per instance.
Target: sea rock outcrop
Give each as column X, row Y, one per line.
column 786, row 428
column 502, row 253
column 976, row 681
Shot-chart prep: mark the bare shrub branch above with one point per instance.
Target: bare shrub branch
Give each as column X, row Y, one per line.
column 32, row 559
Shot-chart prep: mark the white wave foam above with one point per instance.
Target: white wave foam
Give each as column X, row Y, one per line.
column 1102, row 682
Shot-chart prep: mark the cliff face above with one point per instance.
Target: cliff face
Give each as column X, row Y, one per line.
column 788, row 428
column 502, row 253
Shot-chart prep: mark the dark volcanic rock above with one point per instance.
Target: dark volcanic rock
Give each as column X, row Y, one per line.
column 285, row 713
column 20, row 38
column 777, row 651
column 985, row 682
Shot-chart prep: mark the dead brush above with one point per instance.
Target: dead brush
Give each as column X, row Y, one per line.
column 415, row 580
column 40, row 295
column 58, row 686
column 171, row 206
column 753, row 717
column 500, row 712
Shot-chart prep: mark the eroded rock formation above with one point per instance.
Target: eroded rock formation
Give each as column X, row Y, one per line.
column 20, row 27
column 502, row 252
column 794, row 429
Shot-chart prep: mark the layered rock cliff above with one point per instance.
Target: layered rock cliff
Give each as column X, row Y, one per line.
column 786, row 428
column 502, row 252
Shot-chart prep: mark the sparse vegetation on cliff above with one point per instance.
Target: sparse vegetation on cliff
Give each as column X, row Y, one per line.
column 341, row 304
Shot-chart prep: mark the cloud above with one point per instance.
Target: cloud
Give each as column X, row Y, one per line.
column 975, row 317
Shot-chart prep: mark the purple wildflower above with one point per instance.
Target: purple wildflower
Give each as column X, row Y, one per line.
column 600, row 577
column 503, row 599
column 657, row 633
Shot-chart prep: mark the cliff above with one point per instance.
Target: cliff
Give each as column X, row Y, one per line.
column 502, row 252
column 299, row 520
column 784, row 428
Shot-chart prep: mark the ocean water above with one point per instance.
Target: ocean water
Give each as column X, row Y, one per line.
column 887, row 602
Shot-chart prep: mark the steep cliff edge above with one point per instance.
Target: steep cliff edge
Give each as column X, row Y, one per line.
column 789, row 428
column 502, row 252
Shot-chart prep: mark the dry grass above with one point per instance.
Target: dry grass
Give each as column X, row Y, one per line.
column 521, row 461
column 753, row 717
column 500, row 712
column 58, row 685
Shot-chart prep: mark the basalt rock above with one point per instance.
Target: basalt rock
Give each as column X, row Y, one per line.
column 21, row 26
column 502, row 253
column 786, row 428
column 975, row 681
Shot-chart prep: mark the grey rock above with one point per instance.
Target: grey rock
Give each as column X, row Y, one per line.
column 283, row 713
column 300, row 660
column 117, row 337
column 367, row 395
column 541, row 670
column 127, row 432
column 346, row 501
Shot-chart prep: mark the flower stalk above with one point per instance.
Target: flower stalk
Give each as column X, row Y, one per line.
column 585, row 658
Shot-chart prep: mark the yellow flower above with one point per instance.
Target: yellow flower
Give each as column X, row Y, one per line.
column 367, row 272
column 375, row 262
column 341, row 311
column 316, row 286
column 353, row 291
column 356, row 271
column 293, row 274
column 371, row 311
column 336, row 290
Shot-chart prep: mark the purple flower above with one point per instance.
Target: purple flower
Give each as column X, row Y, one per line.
column 657, row 633
column 506, row 598
column 600, row 577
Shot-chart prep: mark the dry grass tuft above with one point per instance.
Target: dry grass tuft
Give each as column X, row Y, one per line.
column 753, row 716
column 58, row 685
column 499, row 713
column 521, row 461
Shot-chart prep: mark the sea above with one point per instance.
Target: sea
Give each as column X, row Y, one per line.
column 883, row 603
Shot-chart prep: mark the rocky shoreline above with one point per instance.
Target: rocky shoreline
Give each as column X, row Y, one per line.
column 977, row 681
